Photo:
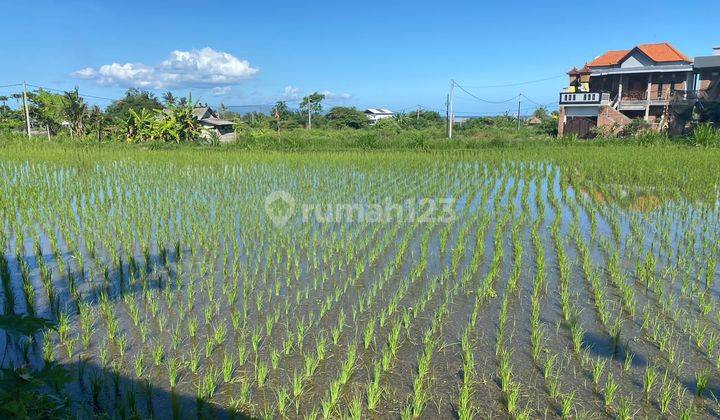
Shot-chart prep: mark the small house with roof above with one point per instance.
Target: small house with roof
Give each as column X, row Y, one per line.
column 376, row 114
column 213, row 126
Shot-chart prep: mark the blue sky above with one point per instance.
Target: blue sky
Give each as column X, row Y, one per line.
column 394, row 54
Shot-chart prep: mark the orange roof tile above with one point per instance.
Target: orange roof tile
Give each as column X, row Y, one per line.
column 610, row 58
column 659, row 53
column 663, row 53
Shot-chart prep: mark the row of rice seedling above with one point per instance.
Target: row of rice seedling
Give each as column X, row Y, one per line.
column 547, row 293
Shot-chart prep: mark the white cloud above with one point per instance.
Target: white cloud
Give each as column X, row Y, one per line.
column 339, row 96
column 202, row 68
column 220, row 90
column 86, row 73
column 291, row 93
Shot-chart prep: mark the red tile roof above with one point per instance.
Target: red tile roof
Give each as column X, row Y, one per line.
column 610, row 58
column 659, row 53
column 663, row 53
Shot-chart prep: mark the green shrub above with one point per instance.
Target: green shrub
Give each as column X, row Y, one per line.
column 705, row 135
column 636, row 127
column 651, row 138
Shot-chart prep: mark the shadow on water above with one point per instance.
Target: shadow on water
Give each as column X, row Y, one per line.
column 98, row 392
column 601, row 345
column 94, row 391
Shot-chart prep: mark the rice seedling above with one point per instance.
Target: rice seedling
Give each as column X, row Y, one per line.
column 610, row 390
column 172, row 263
column 624, row 410
column 701, row 381
column 158, row 354
column 649, row 378
column 261, row 373
column 567, row 405
column 597, row 370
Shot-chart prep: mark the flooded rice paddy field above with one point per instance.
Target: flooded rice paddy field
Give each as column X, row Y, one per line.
column 183, row 291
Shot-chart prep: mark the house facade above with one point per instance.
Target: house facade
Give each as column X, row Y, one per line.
column 213, row 126
column 653, row 82
column 376, row 114
column 707, row 69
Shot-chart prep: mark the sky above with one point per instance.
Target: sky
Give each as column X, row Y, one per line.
column 390, row 54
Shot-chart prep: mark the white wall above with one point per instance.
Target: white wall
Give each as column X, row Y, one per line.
column 637, row 59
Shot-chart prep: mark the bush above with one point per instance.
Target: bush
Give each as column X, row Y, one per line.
column 549, row 126
column 651, row 138
column 636, row 127
column 388, row 126
column 366, row 141
column 345, row 117
column 705, row 135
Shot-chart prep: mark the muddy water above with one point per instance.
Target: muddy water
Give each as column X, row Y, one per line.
column 188, row 255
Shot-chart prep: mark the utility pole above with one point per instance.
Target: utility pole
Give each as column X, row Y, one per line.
column 309, row 105
column 417, row 114
column 447, row 112
column 518, row 114
column 450, row 109
column 27, row 110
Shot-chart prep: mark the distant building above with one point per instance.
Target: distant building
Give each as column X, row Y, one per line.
column 534, row 121
column 707, row 69
column 212, row 125
column 377, row 114
column 653, row 82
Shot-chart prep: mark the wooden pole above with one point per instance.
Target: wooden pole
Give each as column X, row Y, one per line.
column 309, row 105
column 451, row 117
column 27, row 110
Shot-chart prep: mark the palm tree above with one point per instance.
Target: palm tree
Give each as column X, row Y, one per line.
column 169, row 98
column 17, row 97
column 75, row 111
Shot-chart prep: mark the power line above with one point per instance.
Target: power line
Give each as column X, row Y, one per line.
column 485, row 100
column 517, row 84
column 524, row 96
column 79, row 94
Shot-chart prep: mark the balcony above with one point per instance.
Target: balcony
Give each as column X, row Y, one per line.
column 636, row 95
column 584, row 98
column 638, row 100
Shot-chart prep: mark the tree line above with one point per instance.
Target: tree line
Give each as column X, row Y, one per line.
column 141, row 116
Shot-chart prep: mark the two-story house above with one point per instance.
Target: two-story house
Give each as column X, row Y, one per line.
column 619, row 86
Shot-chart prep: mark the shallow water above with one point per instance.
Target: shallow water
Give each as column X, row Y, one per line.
column 195, row 245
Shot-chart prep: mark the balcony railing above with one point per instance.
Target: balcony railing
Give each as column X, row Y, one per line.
column 634, row 95
column 583, row 98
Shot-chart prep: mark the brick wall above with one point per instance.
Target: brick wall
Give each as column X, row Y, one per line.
column 611, row 120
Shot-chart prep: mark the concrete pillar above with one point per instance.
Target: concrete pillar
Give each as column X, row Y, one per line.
column 561, row 122
column 647, row 98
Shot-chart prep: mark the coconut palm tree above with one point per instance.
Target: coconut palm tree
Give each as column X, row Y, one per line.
column 75, row 111
column 169, row 98
column 17, row 97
